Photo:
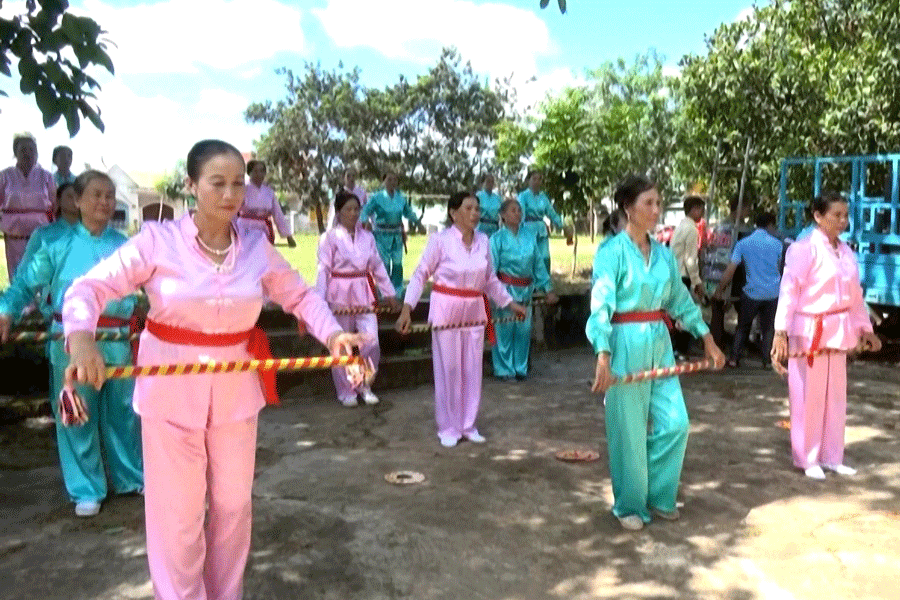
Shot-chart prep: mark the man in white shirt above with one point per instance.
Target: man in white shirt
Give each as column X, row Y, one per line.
column 685, row 246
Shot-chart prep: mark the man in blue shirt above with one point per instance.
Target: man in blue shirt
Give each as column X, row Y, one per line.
column 760, row 253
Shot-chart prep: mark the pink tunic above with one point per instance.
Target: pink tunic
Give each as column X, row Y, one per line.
column 341, row 253
column 457, row 353
column 186, row 289
column 817, row 279
column 25, row 201
column 261, row 202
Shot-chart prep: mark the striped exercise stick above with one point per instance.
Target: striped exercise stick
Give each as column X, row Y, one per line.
column 242, row 366
column 682, row 369
column 27, row 337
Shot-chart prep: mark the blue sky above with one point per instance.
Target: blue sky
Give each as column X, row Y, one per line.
column 186, row 69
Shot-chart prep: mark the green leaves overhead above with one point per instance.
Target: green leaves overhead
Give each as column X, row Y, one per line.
column 54, row 48
column 436, row 132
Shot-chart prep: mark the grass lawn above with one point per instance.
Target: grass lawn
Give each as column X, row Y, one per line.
column 303, row 257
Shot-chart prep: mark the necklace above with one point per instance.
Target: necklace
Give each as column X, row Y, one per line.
column 213, row 250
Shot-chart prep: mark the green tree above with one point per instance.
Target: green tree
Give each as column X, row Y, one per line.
column 313, row 132
column 55, row 50
column 798, row 78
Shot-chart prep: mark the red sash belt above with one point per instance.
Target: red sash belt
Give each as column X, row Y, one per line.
column 464, row 293
column 270, row 231
column 817, row 332
column 516, row 281
column 132, row 323
column 639, row 316
column 358, row 275
column 257, row 347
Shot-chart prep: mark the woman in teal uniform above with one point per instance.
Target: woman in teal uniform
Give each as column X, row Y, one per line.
column 515, row 256
column 535, row 206
column 112, row 421
column 388, row 207
column 488, row 223
column 638, row 287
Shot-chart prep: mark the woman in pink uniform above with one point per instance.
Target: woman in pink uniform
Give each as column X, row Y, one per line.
column 261, row 205
column 459, row 260
column 27, row 199
column 820, row 305
column 349, row 185
column 349, row 268
column 205, row 280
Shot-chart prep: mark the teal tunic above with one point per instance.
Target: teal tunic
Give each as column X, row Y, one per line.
column 534, row 209
column 490, row 212
column 388, row 212
column 516, row 255
column 43, row 235
column 598, row 257
column 112, row 420
column 645, row 467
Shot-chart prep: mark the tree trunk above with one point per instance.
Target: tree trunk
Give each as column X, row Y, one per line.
column 574, row 253
column 320, row 220
column 593, row 218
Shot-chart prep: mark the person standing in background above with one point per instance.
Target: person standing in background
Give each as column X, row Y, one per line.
column 684, row 245
column 490, row 206
column 62, row 158
column 388, row 207
column 761, row 253
column 347, row 185
column 521, row 270
column 720, row 244
column 261, row 205
column 535, row 206
column 27, row 200
column 350, row 274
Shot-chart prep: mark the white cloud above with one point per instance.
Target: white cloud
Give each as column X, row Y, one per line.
column 498, row 39
column 531, row 92
column 144, row 133
column 178, row 36
column 745, row 14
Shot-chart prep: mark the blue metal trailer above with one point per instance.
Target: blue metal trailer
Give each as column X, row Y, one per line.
column 870, row 184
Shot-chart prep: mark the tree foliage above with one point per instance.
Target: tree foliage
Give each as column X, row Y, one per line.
column 55, row 49
column 799, row 78
column 436, row 132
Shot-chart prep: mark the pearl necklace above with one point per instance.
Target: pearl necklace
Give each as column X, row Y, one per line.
column 215, row 252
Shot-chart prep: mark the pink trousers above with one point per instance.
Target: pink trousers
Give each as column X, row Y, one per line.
column 183, row 468
column 15, row 250
column 818, row 397
column 457, row 358
column 356, row 324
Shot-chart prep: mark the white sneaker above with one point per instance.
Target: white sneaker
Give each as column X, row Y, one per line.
column 815, row 472
column 368, row 397
column 87, row 508
column 448, row 441
column 349, row 401
column 631, row 523
column 476, row 437
column 841, row 469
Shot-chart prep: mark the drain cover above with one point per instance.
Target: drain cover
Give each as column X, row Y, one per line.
column 404, row 477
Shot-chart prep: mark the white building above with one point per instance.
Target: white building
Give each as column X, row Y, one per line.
column 135, row 204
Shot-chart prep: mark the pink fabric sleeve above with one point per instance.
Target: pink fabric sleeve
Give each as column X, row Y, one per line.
column 427, row 266
column 117, row 276
column 494, row 289
column 325, row 256
column 51, row 192
column 280, row 221
column 376, row 267
column 285, row 286
column 796, row 268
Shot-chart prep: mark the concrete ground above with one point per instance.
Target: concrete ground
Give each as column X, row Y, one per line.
column 504, row 520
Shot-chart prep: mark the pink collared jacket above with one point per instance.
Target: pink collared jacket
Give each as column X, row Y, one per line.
column 820, row 279
column 341, row 253
column 34, row 192
column 188, row 290
column 261, row 202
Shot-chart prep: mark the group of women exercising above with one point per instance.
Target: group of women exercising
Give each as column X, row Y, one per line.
column 207, row 275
